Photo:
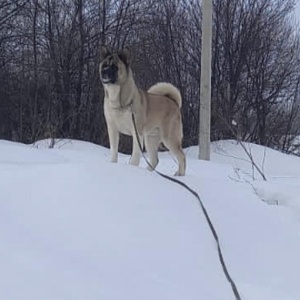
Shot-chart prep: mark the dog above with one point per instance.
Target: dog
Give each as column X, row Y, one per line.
column 156, row 112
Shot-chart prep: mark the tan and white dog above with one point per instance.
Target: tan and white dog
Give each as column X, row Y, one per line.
column 157, row 111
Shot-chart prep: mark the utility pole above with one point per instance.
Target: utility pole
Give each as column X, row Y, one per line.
column 205, row 81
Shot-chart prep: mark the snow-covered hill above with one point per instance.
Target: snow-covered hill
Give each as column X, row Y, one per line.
column 74, row 226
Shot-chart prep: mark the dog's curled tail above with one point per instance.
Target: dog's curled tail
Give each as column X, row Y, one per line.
column 168, row 90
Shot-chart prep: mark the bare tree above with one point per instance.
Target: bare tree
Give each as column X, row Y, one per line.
column 49, row 58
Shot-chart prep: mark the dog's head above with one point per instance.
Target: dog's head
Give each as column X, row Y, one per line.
column 114, row 66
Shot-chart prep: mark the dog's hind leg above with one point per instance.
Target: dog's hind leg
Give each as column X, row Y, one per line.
column 152, row 143
column 176, row 150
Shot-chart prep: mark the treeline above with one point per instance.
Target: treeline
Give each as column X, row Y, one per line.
column 49, row 57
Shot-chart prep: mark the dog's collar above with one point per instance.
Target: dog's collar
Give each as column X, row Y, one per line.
column 123, row 107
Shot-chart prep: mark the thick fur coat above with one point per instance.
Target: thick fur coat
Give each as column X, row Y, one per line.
column 157, row 111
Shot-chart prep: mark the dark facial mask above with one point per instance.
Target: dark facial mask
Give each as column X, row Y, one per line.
column 109, row 73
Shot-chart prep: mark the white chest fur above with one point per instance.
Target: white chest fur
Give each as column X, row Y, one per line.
column 121, row 119
column 113, row 93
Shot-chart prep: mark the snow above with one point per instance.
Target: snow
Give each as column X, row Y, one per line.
column 74, row 226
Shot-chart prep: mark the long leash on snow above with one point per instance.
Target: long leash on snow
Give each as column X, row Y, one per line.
column 208, row 219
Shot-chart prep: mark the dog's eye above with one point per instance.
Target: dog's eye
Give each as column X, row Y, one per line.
column 121, row 56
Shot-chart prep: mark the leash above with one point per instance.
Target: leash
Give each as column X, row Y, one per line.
column 208, row 219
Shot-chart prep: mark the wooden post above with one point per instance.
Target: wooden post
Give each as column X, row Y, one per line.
column 205, row 84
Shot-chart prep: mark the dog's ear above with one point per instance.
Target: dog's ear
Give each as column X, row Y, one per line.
column 124, row 55
column 104, row 52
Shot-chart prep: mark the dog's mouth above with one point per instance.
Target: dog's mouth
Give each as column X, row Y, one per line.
column 106, row 80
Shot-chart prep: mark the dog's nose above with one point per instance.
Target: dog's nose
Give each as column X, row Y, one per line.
column 109, row 73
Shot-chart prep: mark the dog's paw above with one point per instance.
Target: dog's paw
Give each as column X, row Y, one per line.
column 134, row 161
column 178, row 173
column 151, row 169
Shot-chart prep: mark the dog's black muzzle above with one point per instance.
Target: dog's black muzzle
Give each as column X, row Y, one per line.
column 109, row 74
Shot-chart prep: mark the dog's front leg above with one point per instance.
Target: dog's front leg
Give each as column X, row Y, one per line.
column 136, row 152
column 113, row 135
